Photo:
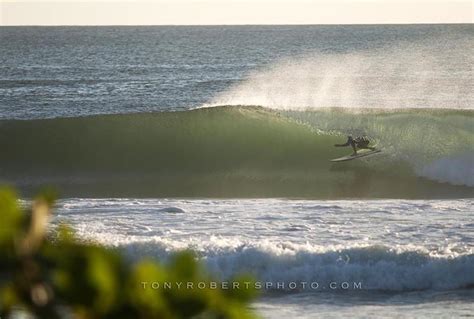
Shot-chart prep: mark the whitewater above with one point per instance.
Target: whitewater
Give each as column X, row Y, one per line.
column 400, row 252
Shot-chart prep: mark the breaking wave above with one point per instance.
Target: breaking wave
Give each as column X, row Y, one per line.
column 374, row 267
column 243, row 151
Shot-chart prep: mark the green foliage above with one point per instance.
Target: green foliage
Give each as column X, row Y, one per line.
column 60, row 276
column 10, row 215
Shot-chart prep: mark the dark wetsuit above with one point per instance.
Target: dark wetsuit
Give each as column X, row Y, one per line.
column 358, row 142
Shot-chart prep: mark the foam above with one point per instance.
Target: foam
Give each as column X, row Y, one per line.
column 454, row 170
column 395, row 245
column 375, row 267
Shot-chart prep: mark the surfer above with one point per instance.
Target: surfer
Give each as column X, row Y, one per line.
column 360, row 142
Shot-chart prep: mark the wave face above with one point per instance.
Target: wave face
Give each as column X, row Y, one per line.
column 243, row 152
column 437, row 144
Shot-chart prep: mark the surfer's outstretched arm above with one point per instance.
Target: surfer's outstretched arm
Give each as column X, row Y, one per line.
column 350, row 141
column 346, row 144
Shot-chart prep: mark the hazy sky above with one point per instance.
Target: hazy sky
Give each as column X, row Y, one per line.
column 149, row 12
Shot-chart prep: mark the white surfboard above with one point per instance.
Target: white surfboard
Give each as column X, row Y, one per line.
column 359, row 155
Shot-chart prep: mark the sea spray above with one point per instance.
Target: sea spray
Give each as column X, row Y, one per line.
column 405, row 76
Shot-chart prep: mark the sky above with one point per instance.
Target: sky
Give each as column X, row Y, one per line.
column 211, row 12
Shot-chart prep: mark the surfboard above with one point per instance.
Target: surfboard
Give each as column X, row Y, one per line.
column 359, row 155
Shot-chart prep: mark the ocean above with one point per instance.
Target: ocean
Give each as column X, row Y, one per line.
column 218, row 139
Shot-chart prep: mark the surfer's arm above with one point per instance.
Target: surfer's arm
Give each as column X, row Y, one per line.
column 339, row 145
